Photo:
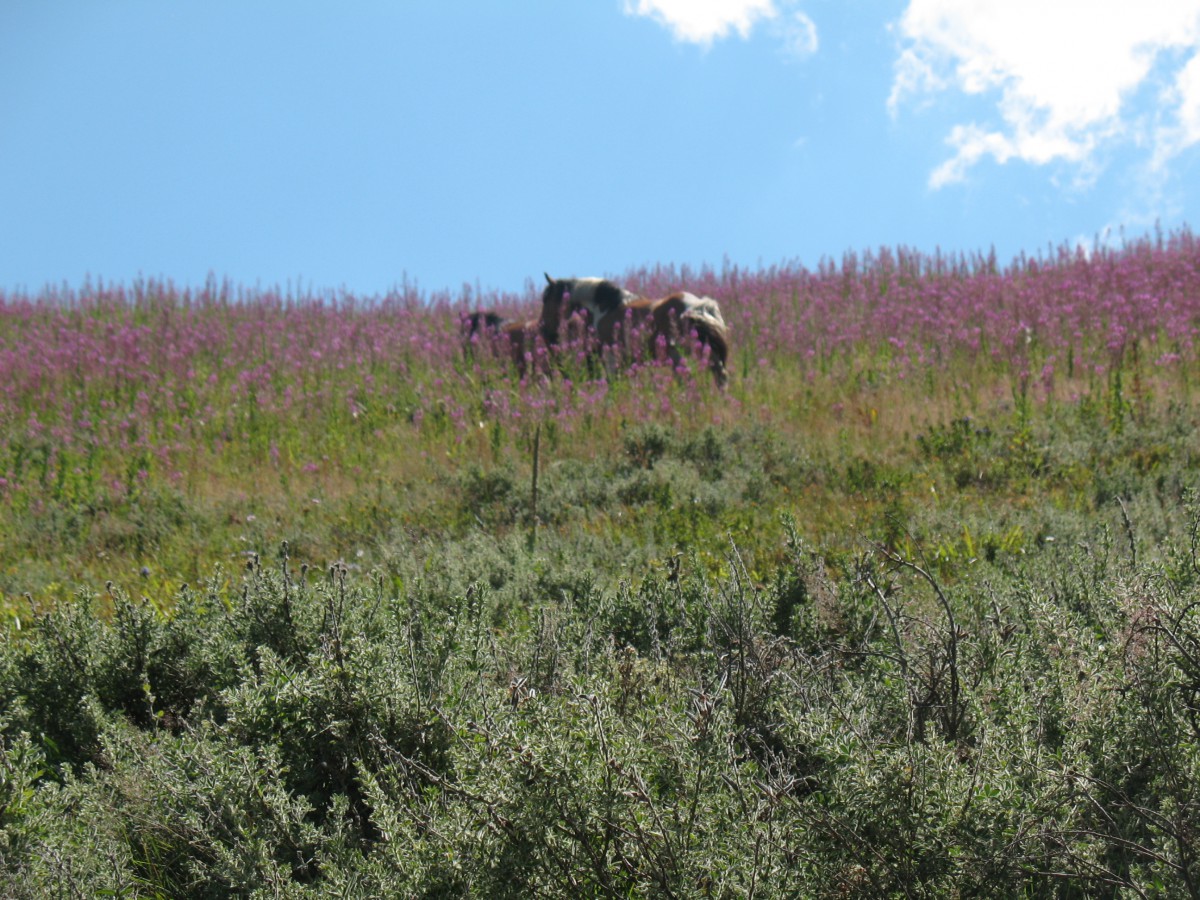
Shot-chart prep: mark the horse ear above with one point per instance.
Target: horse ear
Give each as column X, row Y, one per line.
column 549, row 280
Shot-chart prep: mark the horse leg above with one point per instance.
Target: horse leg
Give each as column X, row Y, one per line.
column 667, row 322
column 610, row 336
column 516, row 347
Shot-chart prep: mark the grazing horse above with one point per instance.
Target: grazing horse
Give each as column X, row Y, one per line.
column 482, row 320
column 520, row 338
column 613, row 310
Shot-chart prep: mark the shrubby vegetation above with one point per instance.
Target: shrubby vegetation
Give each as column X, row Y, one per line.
column 895, row 618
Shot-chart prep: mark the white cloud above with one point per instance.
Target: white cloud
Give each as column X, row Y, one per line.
column 1063, row 73
column 914, row 75
column 1184, row 97
column 703, row 21
column 798, row 34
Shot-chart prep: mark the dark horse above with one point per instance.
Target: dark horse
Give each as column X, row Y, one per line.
column 518, row 338
column 482, row 321
column 614, row 312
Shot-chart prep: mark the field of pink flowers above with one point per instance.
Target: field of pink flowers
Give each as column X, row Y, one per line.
column 110, row 394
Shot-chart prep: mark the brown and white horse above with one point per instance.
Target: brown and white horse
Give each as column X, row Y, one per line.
column 616, row 313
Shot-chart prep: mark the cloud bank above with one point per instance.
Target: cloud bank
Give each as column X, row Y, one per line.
column 705, row 21
column 1065, row 75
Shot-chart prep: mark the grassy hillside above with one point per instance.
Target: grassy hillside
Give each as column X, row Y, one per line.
column 306, row 596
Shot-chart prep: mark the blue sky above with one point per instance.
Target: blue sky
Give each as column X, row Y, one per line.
column 353, row 145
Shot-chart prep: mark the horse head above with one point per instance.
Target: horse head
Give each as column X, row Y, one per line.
column 555, row 297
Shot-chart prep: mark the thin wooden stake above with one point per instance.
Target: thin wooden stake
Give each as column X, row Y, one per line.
column 533, row 502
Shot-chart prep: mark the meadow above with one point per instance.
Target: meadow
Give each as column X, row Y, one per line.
column 306, row 596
